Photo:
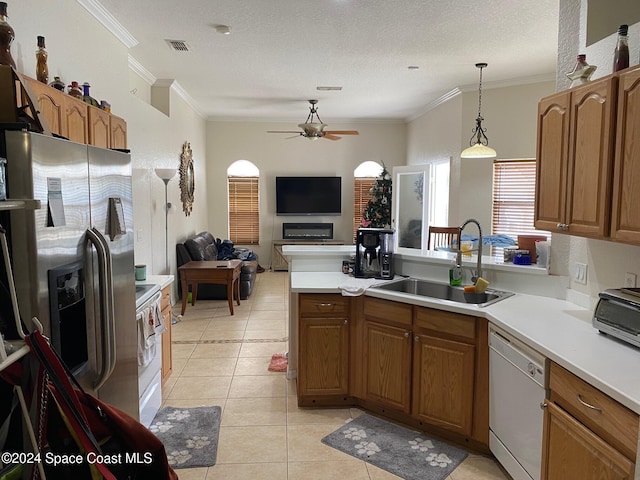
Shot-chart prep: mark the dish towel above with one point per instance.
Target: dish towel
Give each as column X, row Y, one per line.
column 357, row 286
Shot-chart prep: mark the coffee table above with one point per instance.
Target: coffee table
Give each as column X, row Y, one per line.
column 225, row 272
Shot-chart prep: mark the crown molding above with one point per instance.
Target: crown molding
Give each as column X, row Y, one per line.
column 181, row 92
column 435, row 103
column 105, row 18
column 139, row 69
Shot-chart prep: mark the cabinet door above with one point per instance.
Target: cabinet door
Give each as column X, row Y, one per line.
column 570, row 450
column 167, row 357
column 552, row 150
column 76, row 121
column 118, row 132
column 591, row 158
column 99, row 127
column 387, row 359
column 625, row 225
column 51, row 106
column 323, row 356
column 443, row 383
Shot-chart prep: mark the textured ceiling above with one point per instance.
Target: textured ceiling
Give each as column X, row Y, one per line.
column 279, row 51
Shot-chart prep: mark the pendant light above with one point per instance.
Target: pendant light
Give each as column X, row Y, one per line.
column 479, row 142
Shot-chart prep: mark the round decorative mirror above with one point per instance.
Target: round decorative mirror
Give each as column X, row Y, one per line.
column 187, row 178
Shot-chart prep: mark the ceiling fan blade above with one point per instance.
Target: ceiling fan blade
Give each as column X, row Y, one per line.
column 283, row 131
column 342, row 132
column 330, row 136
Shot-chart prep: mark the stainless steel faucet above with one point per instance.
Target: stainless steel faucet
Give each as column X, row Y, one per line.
column 474, row 279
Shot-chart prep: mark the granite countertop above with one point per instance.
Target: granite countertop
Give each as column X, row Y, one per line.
column 558, row 329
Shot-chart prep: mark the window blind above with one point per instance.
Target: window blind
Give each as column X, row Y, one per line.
column 514, row 183
column 361, row 196
column 244, row 210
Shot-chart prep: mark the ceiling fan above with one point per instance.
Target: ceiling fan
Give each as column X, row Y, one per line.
column 313, row 128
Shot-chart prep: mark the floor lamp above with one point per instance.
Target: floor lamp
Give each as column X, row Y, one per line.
column 166, row 174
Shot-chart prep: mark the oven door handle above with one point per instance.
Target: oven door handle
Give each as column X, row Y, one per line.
column 107, row 324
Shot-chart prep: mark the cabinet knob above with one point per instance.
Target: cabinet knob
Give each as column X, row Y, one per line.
column 417, row 338
column 346, row 322
column 406, row 334
column 543, row 405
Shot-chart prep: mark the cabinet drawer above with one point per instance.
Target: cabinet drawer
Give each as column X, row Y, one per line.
column 323, row 305
column 612, row 421
column 388, row 311
column 446, row 322
column 165, row 301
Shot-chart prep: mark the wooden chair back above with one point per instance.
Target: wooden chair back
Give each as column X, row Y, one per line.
column 442, row 237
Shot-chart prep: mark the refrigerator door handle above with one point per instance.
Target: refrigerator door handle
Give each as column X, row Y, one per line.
column 107, row 323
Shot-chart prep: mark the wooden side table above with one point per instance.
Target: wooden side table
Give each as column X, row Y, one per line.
column 225, row 272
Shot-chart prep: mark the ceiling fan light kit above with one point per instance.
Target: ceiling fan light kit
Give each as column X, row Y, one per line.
column 479, row 143
column 313, row 128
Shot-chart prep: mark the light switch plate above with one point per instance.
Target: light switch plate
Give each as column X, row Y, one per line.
column 580, row 274
column 630, row 280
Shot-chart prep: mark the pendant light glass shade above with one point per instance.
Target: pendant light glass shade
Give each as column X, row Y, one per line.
column 479, row 142
column 478, row 151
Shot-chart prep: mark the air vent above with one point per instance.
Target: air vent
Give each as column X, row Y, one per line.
column 178, row 45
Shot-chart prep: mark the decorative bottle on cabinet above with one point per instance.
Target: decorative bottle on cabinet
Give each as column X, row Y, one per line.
column 74, row 90
column 621, row 53
column 6, row 37
column 87, row 96
column 42, row 70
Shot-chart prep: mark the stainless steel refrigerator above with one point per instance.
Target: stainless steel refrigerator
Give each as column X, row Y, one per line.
column 73, row 258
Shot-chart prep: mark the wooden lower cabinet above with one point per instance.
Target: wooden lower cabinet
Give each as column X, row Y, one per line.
column 167, row 358
column 572, row 451
column 387, row 360
column 323, row 357
column 443, row 381
column 426, row 367
column 587, row 435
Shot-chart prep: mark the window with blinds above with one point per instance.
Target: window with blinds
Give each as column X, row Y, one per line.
column 361, row 197
column 514, row 184
column 244, row 211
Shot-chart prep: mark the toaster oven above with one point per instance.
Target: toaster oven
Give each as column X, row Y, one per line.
column 618, row 314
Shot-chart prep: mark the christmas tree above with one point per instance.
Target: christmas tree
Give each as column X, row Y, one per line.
column 377, row 213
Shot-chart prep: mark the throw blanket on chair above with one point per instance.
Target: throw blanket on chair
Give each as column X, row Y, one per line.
column 226, row 251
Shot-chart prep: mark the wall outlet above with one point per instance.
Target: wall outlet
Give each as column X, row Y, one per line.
column 630, row 280
column 580, row 274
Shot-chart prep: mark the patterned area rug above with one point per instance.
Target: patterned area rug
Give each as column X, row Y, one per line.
column 190, row 435
column 398, row 450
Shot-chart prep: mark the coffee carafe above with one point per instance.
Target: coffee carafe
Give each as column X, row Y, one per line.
column 374, row 253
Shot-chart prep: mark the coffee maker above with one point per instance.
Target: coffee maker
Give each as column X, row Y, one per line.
column 374, row 253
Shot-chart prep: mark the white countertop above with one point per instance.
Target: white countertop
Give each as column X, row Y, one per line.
column 162, row 280
column 558, row 329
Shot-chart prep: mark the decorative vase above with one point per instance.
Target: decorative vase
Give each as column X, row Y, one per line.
column 582, row 72
column 57, row 84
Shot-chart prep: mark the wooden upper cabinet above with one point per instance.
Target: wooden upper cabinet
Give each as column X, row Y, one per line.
column 99, row 127
column 552, row 150
column 590, row 161
column 574, row 159
column 118, row 132
column 625, row 218
column 51, row 103
column 76, row 120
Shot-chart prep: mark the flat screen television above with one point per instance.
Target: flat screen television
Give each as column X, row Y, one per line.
column 309, row 196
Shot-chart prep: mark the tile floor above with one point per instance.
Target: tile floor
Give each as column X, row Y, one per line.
column 219, row 359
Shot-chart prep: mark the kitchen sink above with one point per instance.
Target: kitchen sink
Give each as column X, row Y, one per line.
column 443, row 291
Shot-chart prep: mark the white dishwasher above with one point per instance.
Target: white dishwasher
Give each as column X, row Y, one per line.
column 516, row 392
